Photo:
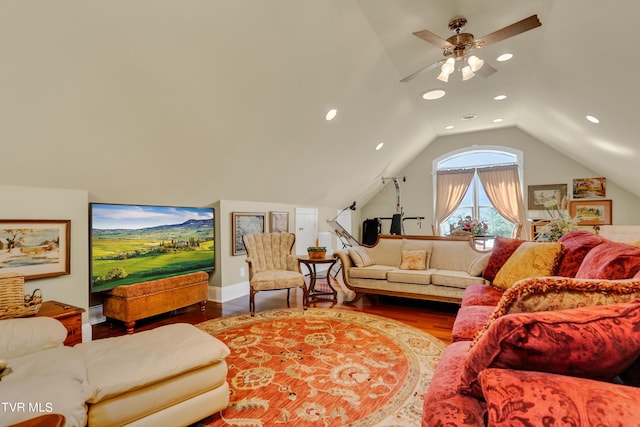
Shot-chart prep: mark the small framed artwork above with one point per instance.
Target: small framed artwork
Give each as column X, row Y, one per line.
column 279, row 222
column 245, row 223
column 587, row 188
column 591, row 212
column 541, row 196
column 36, row 248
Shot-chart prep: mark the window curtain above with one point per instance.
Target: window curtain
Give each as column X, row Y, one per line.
column 502, row 185
column 450, row 190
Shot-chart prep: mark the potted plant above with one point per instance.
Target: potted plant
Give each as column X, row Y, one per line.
column 316, row 252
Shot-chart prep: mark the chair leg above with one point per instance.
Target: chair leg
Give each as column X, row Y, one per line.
column 252, row 302
column 305, row 297
column 288, row 295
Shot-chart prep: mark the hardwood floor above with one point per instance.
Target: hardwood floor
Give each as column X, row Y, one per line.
column 431, row 317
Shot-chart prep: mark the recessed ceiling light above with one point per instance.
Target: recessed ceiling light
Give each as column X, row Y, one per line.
column 593, row 119
column 498, row 120
column 433, row 94
column 449, row 127
column 500, row 97
column 469, row 116
column 504, row 57
column 379, row 146
column 331, row 114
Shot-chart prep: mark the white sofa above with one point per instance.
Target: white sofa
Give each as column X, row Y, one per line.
column 172, row 375
column 451, row 265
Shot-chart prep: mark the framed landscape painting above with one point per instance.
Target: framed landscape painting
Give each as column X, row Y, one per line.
column 540, row 195
column 245, row 223
column 591, row 212
column 35, row 248
column 586, row 188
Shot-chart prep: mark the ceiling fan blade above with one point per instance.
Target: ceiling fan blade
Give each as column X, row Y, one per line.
column 486, row 70
column 434, row 39
column 423, row 71
column 509, row 31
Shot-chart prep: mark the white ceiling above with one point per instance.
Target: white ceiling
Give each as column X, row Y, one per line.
column 189, row 102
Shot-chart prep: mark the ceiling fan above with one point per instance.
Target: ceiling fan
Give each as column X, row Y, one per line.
column 457, row 48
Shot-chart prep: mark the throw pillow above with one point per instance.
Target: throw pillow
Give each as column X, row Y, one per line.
column 576, row 244
column 416, row 259
column 478, row 265
column 610, row 260
column 503, row 247
column 526, row 398
column 590, row 342
column 361, row 257
column 30, row 334
column 561, row 293
column 530, row 259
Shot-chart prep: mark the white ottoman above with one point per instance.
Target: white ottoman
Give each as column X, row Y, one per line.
column 172, row 375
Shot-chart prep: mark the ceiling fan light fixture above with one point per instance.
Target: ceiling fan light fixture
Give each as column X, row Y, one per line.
column 475, row 63
column 467, row 73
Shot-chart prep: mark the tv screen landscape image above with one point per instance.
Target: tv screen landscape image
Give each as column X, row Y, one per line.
column 136, row 243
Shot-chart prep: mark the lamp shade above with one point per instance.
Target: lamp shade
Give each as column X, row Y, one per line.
column 475, row 63
column 467, row 73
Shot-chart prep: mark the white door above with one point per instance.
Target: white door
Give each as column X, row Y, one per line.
column 306, row 229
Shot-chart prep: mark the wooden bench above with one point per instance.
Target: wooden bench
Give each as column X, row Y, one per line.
column 130, row 303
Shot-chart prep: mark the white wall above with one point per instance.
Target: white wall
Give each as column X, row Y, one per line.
column 46, row 203
column 227, row 283
column 542, row 165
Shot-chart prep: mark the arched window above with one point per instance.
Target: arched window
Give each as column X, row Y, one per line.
column 462, row 169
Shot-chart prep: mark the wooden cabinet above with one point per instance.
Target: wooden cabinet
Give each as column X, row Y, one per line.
column 69, row 315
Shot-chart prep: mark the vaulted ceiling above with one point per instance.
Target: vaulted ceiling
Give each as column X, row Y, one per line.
column 189, row 102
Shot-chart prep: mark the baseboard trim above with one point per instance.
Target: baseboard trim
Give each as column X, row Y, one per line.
column 229, row 292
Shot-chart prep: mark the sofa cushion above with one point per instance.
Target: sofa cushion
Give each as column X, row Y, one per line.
column 453, row 255
column 503, row 247
column 610, row 260
column 444, row 405
column 361, row 256
column 53, row 380
column 370, row 272
column 530, row 259
column 592, row 342
column 469, row 321
column 113, row 364
column 481, row 294
column 453, row 278
column 418, row 277
column 577, row 244
column 29, row 334
column 526, row 398
column 414, row 259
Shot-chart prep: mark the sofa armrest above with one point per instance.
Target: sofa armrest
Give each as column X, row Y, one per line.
column 347, row 263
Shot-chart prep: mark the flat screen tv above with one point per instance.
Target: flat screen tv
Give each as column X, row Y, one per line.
column 137, row 243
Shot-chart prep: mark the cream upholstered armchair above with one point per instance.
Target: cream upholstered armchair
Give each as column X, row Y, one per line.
column 272, row 266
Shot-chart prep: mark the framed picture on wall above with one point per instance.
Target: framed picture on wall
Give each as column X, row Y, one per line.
column 591, row 212
column 587, row 188
column 35, row 248
column 279, row 222
column 245, row 223
column 539, row 195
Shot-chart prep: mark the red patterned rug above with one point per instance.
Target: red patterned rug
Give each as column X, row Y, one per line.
column 323, row 367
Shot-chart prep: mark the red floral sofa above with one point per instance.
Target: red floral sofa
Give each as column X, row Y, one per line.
column 553, row 341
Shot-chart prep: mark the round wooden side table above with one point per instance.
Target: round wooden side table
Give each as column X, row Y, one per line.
column 311, row 264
